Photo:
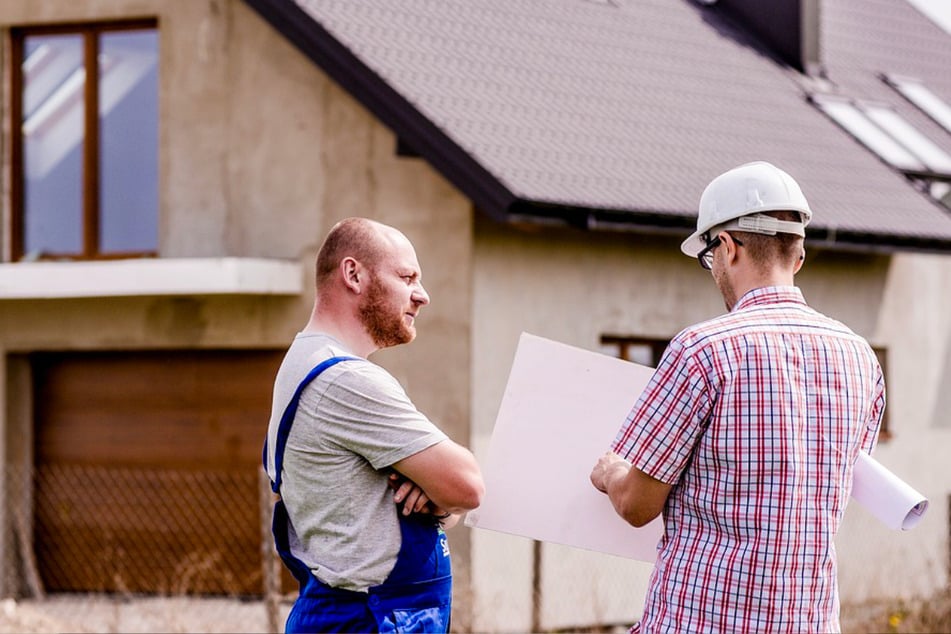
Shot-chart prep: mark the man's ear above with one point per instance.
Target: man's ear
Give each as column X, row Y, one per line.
column 732, row 250
column 352, row 273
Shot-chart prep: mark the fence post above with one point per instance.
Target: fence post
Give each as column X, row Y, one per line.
column 271, row 564
column 536, row 586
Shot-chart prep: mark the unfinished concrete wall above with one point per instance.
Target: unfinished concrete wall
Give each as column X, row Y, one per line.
column 260, row 153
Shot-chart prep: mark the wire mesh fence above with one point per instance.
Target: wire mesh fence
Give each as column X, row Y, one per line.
column 101, row 529
column 127, row 535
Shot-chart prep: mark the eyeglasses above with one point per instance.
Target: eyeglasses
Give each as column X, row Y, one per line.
column 705, row 257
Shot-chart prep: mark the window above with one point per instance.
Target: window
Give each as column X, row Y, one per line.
column 882, row 130
column 917, row 93
column 857, row 122
column 934, row 158
column 85, row 158
column 884, row 432
column 641, row 350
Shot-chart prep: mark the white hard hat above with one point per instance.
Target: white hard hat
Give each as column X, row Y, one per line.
column 736, row 198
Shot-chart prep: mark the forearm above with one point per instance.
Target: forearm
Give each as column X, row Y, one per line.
column 637, row 497
column 448, row 473
column 617, row 489
column 614, row 477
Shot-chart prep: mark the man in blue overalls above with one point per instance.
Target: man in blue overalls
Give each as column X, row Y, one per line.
column 367, row 482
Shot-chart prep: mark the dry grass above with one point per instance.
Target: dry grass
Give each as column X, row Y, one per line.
column 919, row 616
column 99, row 614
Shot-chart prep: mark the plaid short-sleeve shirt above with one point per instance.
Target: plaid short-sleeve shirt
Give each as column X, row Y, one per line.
column 756, row 418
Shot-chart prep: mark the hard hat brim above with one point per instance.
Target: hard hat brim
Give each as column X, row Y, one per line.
column 693, row 245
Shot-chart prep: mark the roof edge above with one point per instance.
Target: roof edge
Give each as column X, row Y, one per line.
column 485, row 190
column 654, row 223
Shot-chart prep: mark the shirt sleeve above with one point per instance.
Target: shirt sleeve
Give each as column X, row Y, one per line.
column 668, row 419
column 366, row 411
column 877, row 413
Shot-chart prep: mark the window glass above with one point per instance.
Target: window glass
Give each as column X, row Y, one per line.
column 919, row 94
column 941, row 192
column 921, row 146
column 850, row 118
column 128, row 141
column 52, row 126
column 643, row 350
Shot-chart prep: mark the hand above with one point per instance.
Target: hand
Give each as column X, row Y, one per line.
column 410, row 495
column 444, row 517
column 603, row 471
column 415, row 500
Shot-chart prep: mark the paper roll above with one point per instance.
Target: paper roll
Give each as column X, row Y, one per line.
column 889, row 498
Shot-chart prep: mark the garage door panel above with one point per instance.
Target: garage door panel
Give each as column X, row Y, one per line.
column 147, row 470
column 105, row 410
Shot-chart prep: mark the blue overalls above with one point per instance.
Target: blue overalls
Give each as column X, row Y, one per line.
column 415, row 597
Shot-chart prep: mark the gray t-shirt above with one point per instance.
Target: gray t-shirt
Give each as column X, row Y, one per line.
column 353, row 421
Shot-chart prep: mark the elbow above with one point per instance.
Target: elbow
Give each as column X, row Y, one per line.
column 637, row 515
column 638, row 520
column 639, row 498
column 472, row 494
column 466, row 495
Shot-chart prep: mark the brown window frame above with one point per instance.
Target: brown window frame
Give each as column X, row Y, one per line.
column 884, row 430
column 624, row 344
column 91, row 211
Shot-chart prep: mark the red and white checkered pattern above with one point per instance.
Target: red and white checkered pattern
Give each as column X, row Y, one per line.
column 756, row 418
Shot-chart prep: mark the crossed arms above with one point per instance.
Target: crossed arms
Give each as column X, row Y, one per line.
column 443, row 479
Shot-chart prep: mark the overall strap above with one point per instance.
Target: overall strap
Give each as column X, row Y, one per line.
column 287, row 419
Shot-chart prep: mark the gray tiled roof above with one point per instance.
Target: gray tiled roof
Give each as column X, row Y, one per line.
column 628, row 108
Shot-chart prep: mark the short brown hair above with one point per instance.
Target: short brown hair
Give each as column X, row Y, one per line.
column 782, row 248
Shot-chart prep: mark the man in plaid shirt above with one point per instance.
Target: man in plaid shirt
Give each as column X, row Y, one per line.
column 746, row 436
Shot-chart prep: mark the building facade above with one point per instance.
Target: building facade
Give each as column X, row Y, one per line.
column 137, row 365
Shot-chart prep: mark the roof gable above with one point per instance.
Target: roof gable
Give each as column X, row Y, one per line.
column 613, row 114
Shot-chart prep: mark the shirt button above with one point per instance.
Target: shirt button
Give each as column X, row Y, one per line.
column 374, row 600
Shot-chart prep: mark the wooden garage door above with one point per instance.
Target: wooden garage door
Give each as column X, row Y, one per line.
column 147, row 470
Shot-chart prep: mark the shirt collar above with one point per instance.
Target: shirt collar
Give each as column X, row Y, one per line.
column 770, row 295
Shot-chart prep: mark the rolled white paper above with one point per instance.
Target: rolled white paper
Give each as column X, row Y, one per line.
column 889, row 498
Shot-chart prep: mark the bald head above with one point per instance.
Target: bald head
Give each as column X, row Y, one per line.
column 360, row 238
column 369, row 288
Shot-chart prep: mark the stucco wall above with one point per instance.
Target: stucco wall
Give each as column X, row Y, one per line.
column 914, row 322
column 260, row 153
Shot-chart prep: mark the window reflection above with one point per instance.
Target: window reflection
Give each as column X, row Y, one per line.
column 53, row 111
column 128, row 114
column 67, row 157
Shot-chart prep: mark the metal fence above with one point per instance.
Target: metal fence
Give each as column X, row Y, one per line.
column 125, row 535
